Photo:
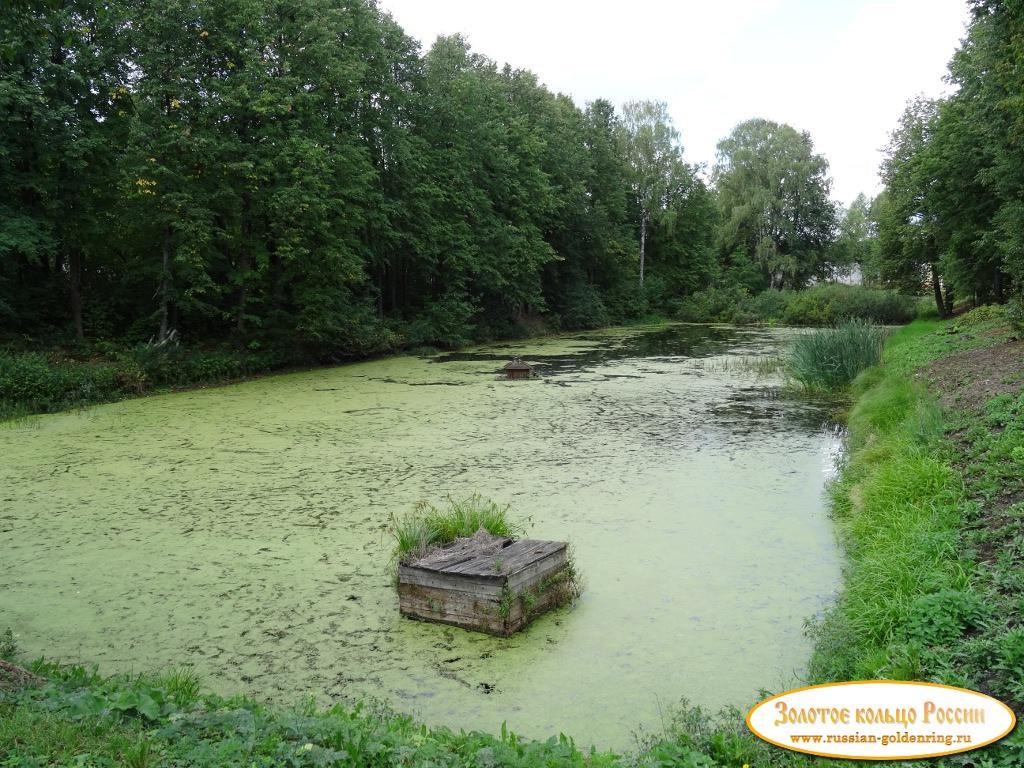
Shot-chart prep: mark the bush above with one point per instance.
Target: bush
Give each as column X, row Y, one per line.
column 819, row 305
column 712, row 305
column 766, row 307
column 986, row 313
column 830, row 304
column 830, row 359
column 448, row 322
column 1015, row 313
column 584, row 308
column 33, row 383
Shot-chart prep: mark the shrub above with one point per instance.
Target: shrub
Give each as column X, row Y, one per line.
column 1015, row 313
column 447, row 322
column 831, row 358
column 829, row 304
column 765, row 307
column 983, row 314
column 712, row 305
column 33, row 383
column 584, row 308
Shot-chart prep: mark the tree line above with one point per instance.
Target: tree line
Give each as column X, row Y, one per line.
column 951, row 215
column 301, row 174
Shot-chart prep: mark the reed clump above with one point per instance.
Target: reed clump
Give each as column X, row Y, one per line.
column 831, row 358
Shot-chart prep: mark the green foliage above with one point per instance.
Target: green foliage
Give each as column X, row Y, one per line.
column 82, row 719
column 712, row 305
column 8, row 645
column 448, row 322
column 231, row 177
column 831, row 358
column 766, row 307
column 427, row 526
column 819, row 305
column 828, row 304
column 773, row 197
column 584, row 308
column 926, row 309
column 34, row 383
column 1015, row 314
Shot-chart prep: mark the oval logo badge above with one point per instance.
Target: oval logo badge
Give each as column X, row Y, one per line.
column 881, row 720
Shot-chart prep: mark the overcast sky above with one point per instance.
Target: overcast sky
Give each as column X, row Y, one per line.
column 841, row 70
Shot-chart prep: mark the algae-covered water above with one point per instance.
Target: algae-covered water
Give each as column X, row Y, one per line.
column 242, row 530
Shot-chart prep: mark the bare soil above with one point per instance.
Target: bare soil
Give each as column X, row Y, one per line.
column 969, row 379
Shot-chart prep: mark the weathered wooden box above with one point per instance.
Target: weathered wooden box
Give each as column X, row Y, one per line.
column 498, row 593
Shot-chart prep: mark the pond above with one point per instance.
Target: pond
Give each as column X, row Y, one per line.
column 242, row 530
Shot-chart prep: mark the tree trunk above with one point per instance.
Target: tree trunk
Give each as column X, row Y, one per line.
column 949, row 300
column 244, row 265
column 643, row 245
column 165, row 280
column 75, row 291
column 937, row 291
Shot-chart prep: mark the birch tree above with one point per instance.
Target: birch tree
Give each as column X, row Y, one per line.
column 651, row 146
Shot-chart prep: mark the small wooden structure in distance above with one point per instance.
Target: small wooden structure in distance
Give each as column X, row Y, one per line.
column 517, row 369
column 498, row 593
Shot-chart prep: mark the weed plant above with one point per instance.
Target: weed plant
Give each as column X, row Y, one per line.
column 428, row 527
column 831, row 358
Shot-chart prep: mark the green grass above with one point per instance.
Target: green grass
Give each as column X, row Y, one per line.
column 898, row 508
column 935, row 557
column 428, row 526
column 915, row 345
column 831, row 358
column 80, row 719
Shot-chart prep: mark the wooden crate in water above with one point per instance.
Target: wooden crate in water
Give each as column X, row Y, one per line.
column 497, row 593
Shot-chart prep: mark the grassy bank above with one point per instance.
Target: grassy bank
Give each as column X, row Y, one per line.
column 930, row 511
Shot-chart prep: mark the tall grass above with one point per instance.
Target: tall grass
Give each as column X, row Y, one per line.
column 832, row 358
column 898, row 507
column 428, row 526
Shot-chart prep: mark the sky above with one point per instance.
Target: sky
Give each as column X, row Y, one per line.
column 840, row 69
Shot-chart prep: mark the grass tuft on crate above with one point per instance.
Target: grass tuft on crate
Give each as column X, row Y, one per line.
column 429, row 527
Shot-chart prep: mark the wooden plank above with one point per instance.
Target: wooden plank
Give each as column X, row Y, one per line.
column 513, row 558
column 411, row 575
column 538, row 571
column 529, row 551
column 460, row 610
column 442, row 601
column 443, row 563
